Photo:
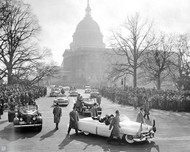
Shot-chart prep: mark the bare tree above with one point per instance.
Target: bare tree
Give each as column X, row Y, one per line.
column 157, row 61
column 129, row 44
column 17, row 33
column 180, row 67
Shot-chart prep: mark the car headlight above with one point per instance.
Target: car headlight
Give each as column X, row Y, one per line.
column 39, row 119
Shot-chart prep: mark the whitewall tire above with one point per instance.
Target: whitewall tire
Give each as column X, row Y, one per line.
column 129, row 139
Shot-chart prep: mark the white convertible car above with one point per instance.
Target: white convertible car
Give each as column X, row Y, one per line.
column 130, row 131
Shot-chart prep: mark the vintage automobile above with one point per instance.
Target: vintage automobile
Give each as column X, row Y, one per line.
column 28, row 116
column 94, row 93
column 130, row 131
column 73, row 93
column 87, row 89
column 55, row 92
column 87, row 104
column 66, row 88
column 62, row 100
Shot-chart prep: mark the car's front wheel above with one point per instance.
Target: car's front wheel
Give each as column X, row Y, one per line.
column 128, row 138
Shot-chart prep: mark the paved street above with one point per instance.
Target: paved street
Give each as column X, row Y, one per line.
column 173, row 132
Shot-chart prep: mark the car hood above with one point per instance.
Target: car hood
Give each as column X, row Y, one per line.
column 134, row 127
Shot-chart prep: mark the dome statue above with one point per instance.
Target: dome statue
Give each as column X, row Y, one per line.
column 87, row 33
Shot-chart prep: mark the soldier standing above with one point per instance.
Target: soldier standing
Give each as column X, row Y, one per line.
column 57, row 112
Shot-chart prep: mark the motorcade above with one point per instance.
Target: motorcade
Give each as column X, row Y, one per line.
column 62, row 100
column 27, row 116
column 130, row 131
column 55, row 92
column 86, row 106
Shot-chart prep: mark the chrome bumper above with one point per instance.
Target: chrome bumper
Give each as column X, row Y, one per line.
column 27, row 125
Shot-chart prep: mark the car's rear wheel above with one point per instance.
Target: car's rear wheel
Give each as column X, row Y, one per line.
column 86, row 133
column 128, row 138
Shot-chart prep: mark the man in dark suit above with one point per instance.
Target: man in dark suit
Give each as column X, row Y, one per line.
column 57, row 112
column 73, row 123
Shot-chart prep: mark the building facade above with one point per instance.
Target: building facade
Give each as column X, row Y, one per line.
column 85, row 62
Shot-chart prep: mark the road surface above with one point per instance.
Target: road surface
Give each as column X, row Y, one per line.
column 173, row 132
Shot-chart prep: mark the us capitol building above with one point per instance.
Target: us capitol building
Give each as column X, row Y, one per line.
column 86, row 60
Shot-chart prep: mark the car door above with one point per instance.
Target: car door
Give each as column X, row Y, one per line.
column 103, row 130
column 88, row 125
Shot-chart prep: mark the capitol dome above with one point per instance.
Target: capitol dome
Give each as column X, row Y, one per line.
column 87, row 33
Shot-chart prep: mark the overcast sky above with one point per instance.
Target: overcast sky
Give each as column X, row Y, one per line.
column 59, row 18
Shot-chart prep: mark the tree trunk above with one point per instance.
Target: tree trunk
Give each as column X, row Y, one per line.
column 158, row 82
column 9, row 77
column 135, row 78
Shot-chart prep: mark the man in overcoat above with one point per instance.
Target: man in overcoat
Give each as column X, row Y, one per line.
column 73, row 123
column 57, row 112
column 115, row 128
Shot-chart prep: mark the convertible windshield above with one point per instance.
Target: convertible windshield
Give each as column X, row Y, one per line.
column 28, row 107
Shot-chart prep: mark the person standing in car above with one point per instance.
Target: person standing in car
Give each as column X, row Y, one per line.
column 94, row 111
column 57, row 112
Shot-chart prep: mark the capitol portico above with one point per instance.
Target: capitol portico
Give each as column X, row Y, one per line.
column 85, row 61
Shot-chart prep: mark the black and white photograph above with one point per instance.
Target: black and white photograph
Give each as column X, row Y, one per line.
column 94, row 76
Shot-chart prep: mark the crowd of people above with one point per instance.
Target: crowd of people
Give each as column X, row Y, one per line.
column 158, row 99
column 12, row 95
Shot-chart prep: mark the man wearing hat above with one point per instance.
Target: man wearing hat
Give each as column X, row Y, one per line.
column 57, row 112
